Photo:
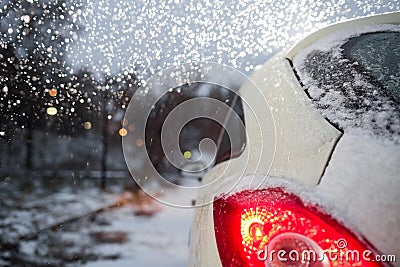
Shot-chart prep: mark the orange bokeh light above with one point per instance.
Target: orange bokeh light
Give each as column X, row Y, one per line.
column 123, row 132
column 53, row 92
column 132, row 127
column 139, row 142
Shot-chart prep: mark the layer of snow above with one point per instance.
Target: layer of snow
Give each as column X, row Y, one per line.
column 361, row 186
column 157, row 241
column 337, row 39
column 343, row 95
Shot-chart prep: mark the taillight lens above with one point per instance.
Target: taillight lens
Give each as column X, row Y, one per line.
column 270, row 227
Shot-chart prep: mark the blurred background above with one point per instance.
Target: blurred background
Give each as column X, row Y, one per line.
column 68, row 69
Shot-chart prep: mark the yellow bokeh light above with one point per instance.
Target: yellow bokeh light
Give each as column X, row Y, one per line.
column 87, row 125
column 51, row 111
column 123, row 132
column 252, row 229
column 256, row 231
column 187, row 155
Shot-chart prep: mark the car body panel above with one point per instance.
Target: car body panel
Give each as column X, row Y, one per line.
column 304, row 139
column 304, row 145
column 361, row 185
column 304, row 142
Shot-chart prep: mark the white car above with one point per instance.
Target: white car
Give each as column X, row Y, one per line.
column 324, row 190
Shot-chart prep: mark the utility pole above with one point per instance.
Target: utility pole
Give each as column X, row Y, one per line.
column 104, row 139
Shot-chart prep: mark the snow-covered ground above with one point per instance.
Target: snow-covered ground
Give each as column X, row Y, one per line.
column 157, row 241
column 71, row 222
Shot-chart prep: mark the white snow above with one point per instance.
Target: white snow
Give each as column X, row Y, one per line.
column 338, row 38
column 156, row 237
column 361, row 186
column 157, row 241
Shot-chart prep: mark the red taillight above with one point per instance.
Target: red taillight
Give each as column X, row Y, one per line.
column 253, row 227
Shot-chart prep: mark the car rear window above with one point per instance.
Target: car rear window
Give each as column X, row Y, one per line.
column 379, row 54
column 353, row 79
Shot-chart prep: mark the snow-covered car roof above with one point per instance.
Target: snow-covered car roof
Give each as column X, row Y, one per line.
column 386, row 18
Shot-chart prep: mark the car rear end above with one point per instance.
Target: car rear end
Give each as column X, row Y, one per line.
column 306, row 190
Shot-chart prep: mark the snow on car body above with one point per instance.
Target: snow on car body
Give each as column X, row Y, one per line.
column 351, row 171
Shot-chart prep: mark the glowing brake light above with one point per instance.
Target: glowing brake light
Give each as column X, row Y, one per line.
column 270, row 227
